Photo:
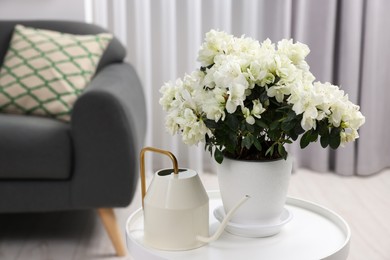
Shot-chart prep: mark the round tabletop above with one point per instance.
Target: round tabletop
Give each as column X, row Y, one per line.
column 315, row 232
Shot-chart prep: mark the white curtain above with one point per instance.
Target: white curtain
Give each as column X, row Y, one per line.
column 348, row 39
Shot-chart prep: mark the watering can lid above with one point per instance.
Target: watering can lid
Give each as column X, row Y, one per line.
column 183, row 173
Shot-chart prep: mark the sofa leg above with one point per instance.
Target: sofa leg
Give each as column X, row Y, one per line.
column 108, row 218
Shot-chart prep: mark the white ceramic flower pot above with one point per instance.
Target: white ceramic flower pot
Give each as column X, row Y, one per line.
column 266, row 182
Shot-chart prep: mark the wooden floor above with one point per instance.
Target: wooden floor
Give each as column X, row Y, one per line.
column 363, row 201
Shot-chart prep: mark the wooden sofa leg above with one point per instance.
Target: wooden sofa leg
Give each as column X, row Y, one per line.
column 108, row 218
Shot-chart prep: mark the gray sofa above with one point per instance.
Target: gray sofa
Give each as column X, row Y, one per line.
column 89, row 163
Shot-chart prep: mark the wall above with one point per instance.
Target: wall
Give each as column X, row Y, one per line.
column 42, row 9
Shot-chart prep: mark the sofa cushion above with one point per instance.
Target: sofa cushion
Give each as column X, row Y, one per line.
column 45, row 71
column 34, row 148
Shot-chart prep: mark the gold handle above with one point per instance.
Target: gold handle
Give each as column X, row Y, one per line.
column 142, row 166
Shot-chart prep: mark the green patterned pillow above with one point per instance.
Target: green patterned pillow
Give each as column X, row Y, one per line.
column 45, row 71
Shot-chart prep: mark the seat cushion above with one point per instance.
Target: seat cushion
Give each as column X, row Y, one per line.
column 34, row 148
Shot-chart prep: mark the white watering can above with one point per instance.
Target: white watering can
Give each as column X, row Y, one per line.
column 176, row 208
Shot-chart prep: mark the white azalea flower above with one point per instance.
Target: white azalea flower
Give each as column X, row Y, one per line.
column 193, row 129
column 246, row 45
column 356, row 119
column 296, row 52
column 258, row 74
column 247, row 115
column 257, row 109
column 279, row 92
column 229, row 76
column 267, row 46
column 236, row 97
column 348, row 136
column 216, row 42
column 309, row 117
column 213, row 104
column 304, row 100
column 228, row 71
column 168, row 91
column 285, row 70
column 171, row 122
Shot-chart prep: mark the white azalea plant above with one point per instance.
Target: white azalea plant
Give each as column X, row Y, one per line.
column 248, row 100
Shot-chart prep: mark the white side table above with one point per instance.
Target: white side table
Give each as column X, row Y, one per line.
column 314, row 233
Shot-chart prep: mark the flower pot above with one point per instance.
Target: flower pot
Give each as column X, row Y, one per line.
column 266, row 182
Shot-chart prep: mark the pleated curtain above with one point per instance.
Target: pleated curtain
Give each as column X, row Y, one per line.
column 349, row 42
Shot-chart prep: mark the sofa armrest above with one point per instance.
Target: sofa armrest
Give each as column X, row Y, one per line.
column 108, row 127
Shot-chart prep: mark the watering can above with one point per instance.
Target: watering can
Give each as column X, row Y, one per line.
column 176, row 208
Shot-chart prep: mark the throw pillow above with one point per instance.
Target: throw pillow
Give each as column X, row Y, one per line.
column 45, row 71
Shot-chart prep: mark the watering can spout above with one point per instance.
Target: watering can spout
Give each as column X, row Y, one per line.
column 225, row 221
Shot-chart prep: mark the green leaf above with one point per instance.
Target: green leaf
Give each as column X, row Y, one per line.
column 286, row 107
column 274, row 125
column 248, row 141
column 243, row 127
column 232, row 122
column 257, row 144
column 306, row 139
column 293, row 136
column 275, row 135
column 263, row 96
column 282, row 151
column 291, row 115
column 210, row 123
column 218, row 155
column 298, row 129
column 334, row 142
column 334, row 138
column 323, row 128
column 230, row 147
column 270, row 150
column 324, row 140
column 261, row 123
column 314, row 136
column 250, row 128
column 287, row 125
column 232, row 136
